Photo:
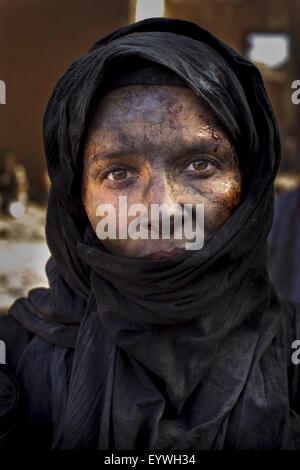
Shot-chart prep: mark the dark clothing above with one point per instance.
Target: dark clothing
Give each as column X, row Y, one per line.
column 189, row 353
column 284, row 246
column 43, row 371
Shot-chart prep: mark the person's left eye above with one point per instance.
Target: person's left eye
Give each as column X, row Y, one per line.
column 201, row 166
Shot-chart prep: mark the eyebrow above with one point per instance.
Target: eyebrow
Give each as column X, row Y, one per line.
column 188, row 148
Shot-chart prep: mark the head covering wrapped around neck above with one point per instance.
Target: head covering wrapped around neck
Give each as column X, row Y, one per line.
column 176, row 354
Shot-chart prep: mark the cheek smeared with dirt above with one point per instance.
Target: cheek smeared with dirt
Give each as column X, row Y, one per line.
column 220, row 201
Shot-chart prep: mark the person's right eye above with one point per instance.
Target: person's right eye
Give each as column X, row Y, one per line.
column 119, row 174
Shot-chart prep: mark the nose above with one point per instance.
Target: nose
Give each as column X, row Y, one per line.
column 159, row 191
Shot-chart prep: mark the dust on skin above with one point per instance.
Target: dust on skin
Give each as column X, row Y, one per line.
column 158, row 144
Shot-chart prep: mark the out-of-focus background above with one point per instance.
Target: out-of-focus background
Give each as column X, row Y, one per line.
column 38, row 41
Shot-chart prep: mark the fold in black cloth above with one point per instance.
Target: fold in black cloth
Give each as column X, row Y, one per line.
column 9, row 402
column 188, row 353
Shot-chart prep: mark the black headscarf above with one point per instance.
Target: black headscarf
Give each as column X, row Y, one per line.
column 184, row 353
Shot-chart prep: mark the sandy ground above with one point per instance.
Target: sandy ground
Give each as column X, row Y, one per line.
column 23, row 254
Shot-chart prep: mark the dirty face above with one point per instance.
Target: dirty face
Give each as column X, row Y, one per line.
column 158, row 144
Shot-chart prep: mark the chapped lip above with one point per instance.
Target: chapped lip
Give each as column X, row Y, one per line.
column 164, row 254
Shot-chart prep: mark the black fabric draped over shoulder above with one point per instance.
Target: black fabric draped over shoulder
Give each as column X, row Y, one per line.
column 189, row 353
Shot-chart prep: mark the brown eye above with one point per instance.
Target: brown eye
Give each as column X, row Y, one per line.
column 118, row 174
column 200, row 165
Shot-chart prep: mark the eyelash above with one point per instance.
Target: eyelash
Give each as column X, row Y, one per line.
column 209, row 160
column 120, row 183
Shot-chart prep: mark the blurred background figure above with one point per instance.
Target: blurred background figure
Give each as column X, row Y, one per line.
column 13, row 184
column 291, row 156
column 23, row 251
column 284, row 246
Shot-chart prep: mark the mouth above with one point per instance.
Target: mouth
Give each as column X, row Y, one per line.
column 164, row 254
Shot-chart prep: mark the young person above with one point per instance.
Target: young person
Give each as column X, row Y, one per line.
column 141, row 343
